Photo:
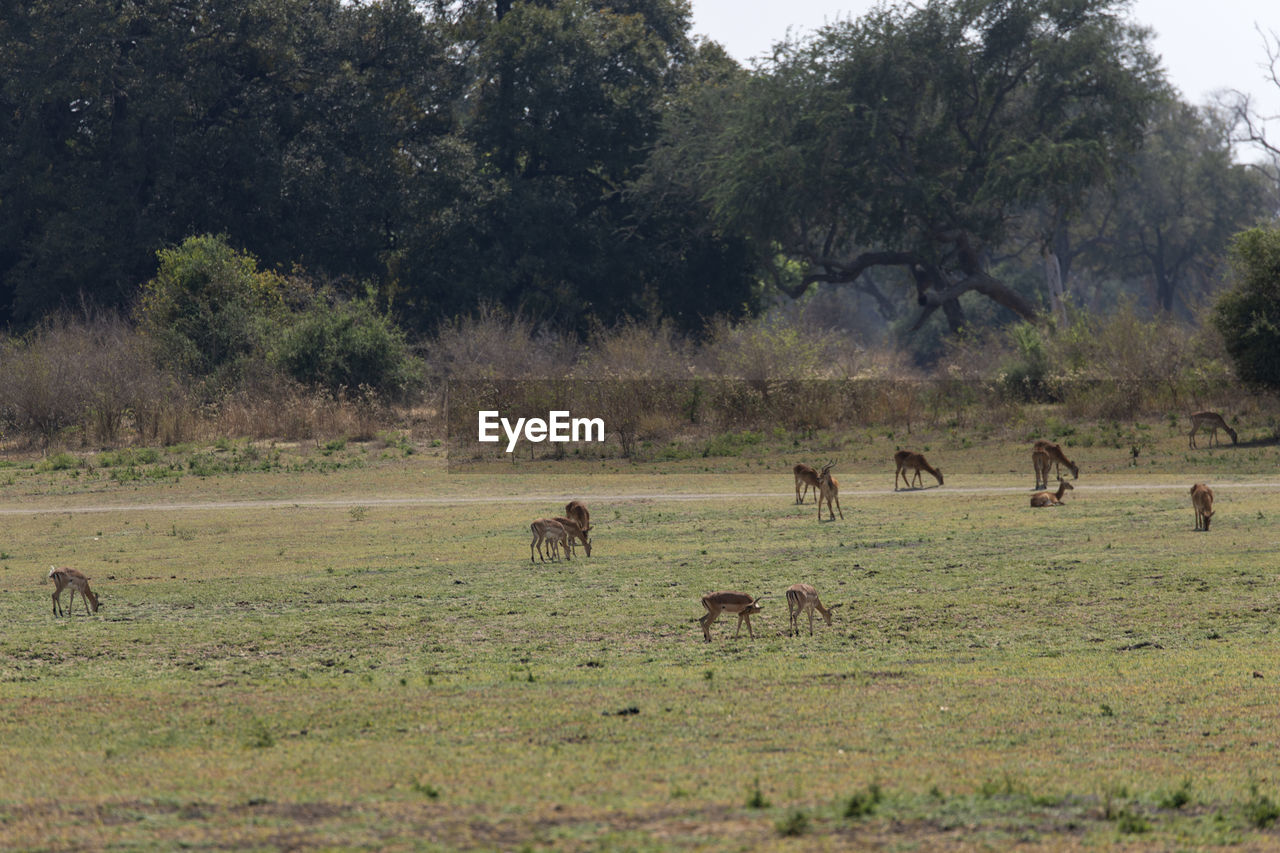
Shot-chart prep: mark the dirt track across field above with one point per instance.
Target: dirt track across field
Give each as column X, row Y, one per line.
column 619, row 497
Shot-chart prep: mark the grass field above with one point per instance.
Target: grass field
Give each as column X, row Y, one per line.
column 348, row 648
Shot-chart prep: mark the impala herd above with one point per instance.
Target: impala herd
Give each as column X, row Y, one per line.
column 562, row 534
column 908, row 466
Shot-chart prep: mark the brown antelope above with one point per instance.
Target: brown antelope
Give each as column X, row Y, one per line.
column 577, row 510
column 802, row 597
column 574, row 531
column 550, row 531
column 1056, row 458
column 807, row 477
column 1202, row 500
column 828, row 490
column 728, row 602
column 1040, row 460
column 63, row 578
column 905, row 459
column 1212, row 421
column 1052, row 498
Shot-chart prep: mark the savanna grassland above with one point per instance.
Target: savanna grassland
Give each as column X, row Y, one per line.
column 345, row 646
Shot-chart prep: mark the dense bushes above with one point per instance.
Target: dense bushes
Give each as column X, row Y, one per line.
column 209, row 309
column 324, row 367
column 346, row 345
column 1248, row 316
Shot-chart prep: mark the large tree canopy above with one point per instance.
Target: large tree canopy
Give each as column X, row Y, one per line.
column 1168, row 218
column 303, row 130
column 919, row 136
column 451, row 153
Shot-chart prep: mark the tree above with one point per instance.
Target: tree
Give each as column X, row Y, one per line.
column 1248, row 315
column 920, row 137
column 565, row 106
column 1161, row 226
column 1173, row 210
column 305, row 130
column 346, row 345
column 210, row 308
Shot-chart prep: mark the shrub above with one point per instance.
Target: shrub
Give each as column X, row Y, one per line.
column 1261, row 811
column 347, row 345
column 863, row 803
column 1248, row 316
column 794, row 824
column 209, row 309
column 495, row 344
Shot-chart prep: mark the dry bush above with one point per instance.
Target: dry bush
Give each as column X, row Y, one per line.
column 46, row 388
column 95, row 373
column 633, row 350
column 1121, row 366
column 290, row 411
column 497, row 345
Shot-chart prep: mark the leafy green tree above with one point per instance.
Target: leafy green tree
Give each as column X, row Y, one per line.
column 921, row 137
column 347, row 345
column 566, row 105
column 1248, row 315
column 210, row 309
column 1170, row 214
column 306, row 130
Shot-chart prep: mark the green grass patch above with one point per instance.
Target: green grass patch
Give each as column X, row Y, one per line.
column 353, row 650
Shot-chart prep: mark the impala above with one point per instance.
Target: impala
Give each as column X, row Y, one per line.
column 574, row 531
column 1202, row 500
column 63, row 578
column 807, row 477
column 577, row 510
column 1057, row 458
column 550, row 531
column 905, row 459
column 828, row 490
column 728, row 602
column 802, row 597
column 1041, row 462
column 1051, row 498
column 1212, row 421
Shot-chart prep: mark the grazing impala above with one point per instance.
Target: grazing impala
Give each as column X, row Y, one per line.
column 1056, row 458
column 1040, row 460
column 1051, row 498
column 728, row 602
column 905, row 459
column 802, row 597
column 807, row 477
column 1202, row 500
column 1212, row 421
column 577, row 510
column 828, row 490
column 63, row 578
column 551, row 532
column 574, row 532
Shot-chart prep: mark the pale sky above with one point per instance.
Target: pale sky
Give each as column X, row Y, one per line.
column 1204, row 46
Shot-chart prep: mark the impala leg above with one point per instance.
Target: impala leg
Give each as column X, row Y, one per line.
column 706, row 622
column 810, row 621
column 57, row 603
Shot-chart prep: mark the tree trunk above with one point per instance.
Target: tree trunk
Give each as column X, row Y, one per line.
column 1053, row 278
